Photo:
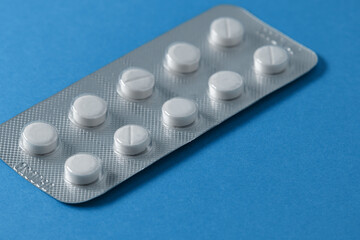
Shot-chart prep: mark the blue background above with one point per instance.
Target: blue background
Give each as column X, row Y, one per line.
column 286, row 168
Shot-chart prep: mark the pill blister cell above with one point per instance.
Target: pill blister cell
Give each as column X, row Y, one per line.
column 226, row 32
column 39, row 138
column 136, row 83
column 131, row 140
column 88, row 111
column 110, row 125
column 82, row 169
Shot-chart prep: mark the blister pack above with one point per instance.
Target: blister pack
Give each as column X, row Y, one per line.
column 108, row 126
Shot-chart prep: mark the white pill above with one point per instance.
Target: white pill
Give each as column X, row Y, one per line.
column 136, row 83
column 182, row 57
column 39, row 138
column 131, row 140
column 226, row 85
column 82, row 168
column 226, row 32
column 270, row 59
column 179, row 112
column 88, row 111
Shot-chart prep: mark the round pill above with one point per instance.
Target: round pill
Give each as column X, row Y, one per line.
column 88, row 111
column 179, row 112
column 137, row 83
column 131, row 139
column 226, row 32
column 182, row 57
column 270, row 59
column 39, row 138
column 226, row 85
column 82, row 168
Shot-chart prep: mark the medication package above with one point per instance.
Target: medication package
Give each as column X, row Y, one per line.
column 108, row 126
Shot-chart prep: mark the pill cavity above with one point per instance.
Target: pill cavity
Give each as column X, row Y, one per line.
column 226, row 32
column 82, row 169
column 270, row 59
column 39, row 138
column 131, row 139
column 226, row 85
column 182, row 57
column 179, row 112
column 136, row 83
column 88, row 111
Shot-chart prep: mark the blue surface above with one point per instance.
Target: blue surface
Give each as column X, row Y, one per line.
column 286, row 168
